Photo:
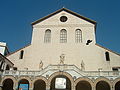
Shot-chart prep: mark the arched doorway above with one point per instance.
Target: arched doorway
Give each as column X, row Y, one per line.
column 8, row 84
column 39, row 85
column 83, row 85
column 23, row 84
column 102, row 85
column 60, row 82
column 117, row 86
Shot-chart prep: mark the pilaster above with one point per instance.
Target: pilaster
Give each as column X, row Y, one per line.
column 93, row 88
column 48, row 87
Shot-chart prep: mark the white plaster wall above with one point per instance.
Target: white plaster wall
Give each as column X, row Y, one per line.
column 70, row 25
column 92, row 55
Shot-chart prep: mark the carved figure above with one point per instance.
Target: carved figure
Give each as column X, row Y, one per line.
column 62, row 58
column 40, row 65
column 82, row 66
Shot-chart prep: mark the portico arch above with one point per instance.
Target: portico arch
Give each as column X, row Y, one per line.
column 24, row 82
column 9, row 79
column 8, row 84
column 116, row 84
column 83, row 84
column 103, row 84
column 39, row 83
column 62, row 76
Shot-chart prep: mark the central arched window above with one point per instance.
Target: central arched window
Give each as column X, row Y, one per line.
column 63, row 36
column 78, row 36
column 47, row 36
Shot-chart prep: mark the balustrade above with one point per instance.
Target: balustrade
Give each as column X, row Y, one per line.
column 61, row 68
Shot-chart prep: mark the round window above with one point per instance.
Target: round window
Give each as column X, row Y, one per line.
column 63, row 18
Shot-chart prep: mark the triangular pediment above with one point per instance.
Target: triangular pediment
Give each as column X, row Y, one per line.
column 66, row 10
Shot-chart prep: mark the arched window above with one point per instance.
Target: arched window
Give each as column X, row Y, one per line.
column 63, row 36
column 107, row 56
column 21, row 54
column 78, row 36
column 47, row 36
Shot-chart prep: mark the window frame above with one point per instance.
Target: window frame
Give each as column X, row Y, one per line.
column 47, row 36
column 107, row 56
column 21, row 54
column 63, row 36
column 78, row 36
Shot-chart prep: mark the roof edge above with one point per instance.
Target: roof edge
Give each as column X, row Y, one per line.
column 67, row 10
column 18, row 50
column 6, row 58
column 107, row 49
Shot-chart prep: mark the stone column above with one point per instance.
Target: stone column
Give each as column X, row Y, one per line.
column 31, row 86
column 15, row 88
column 112, row 88
column 93, row 88
column 4, row 66
column 47, row 86
column 73, row 87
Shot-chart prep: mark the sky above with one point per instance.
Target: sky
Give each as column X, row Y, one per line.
column 16, row 17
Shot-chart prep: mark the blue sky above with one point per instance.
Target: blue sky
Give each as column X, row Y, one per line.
column 16, row 17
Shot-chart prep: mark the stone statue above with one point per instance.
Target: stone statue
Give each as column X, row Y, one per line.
column 82, row 66
column 62, row 58
column 40, row 65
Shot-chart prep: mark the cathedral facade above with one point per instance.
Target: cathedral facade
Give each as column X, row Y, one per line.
column 63, row 55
